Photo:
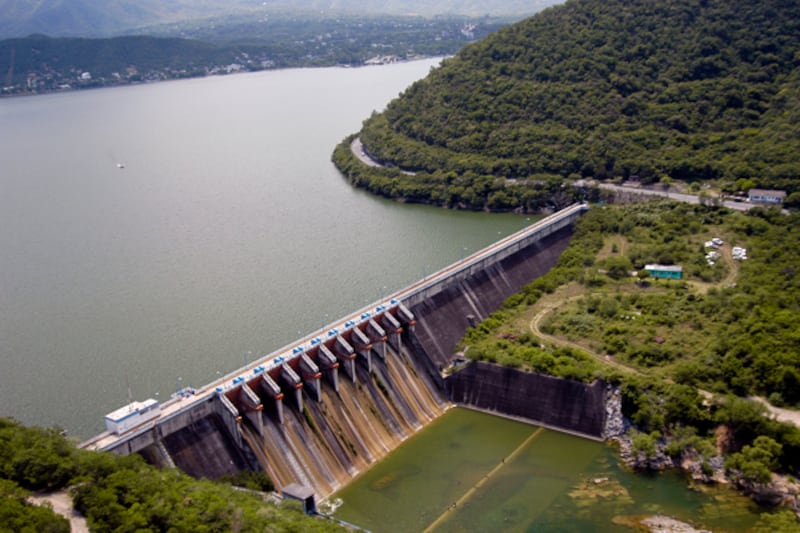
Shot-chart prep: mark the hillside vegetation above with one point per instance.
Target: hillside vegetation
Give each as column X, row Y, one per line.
column 686, row 352
column 727, row 326
column 690, row 90
column 20, row 58
column 39, row 63
column 124, row 493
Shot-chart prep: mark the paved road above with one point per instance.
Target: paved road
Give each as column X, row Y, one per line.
column 688, row 198
column 357, row 147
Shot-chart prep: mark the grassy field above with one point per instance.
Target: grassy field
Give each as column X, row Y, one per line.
column 608, row 314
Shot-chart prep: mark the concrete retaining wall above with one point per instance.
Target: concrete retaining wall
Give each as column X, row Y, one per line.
column 557, row 403
column 444, row 312
column 205, row 448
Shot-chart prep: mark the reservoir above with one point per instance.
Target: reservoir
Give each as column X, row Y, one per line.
column 226, row 234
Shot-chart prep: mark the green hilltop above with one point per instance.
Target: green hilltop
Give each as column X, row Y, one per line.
column 689, row 90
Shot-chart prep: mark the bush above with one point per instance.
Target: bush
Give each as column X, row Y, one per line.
column 126, row 494
column 16, row 514
column 644, row 443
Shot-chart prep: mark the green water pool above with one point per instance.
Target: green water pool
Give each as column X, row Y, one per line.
column 469, row 471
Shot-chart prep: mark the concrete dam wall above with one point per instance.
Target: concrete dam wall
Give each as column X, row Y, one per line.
column 445, row 312
column 322, row 410
column 557, row 403
column 316, row 431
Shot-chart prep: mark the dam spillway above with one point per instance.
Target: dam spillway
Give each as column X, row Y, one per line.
column 333, row 439
column 321, row 410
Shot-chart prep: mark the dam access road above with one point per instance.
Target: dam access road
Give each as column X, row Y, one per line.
column 357, row 147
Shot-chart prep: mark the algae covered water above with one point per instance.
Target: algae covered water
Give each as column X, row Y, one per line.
column 470, row 471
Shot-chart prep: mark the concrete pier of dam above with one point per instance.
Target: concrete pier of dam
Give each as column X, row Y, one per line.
column 295, row 415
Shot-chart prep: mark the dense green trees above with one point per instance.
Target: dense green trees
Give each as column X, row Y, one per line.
column 686, row 90
column 18, row 515
column 124, row 493
column 36, row 459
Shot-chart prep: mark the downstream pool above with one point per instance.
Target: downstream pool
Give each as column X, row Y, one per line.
column 469, row 471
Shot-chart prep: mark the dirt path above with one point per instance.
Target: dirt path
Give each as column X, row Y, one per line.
column 789, row 416
column 726, row 253
column 550, row 303
column 731, row 263
column 619, row 241
column 61, row 503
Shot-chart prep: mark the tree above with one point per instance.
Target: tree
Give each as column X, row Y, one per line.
column 124, row 493
column 792, row 200
column 744, row 418
column 608, row 308
column 16, row 514
column 754, row 464
column 705, row 198
column 745, row 184
column 644, row 104
column 645, row 443
column 783, row 521
column 618, row 266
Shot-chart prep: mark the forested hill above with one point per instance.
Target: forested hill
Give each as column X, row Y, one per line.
column 661, row 89
column 38, row 63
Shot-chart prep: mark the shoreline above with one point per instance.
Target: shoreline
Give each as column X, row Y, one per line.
column 127, row 83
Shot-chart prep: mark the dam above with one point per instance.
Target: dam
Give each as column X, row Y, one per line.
column 319, row 411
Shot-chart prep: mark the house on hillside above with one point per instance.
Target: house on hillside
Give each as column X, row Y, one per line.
column 664, row 271
column 766, row 196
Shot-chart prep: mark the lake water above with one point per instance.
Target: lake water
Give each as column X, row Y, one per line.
column 227, row 234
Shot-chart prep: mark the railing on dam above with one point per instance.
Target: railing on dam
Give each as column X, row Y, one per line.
column 187, row 408
column 491, row 254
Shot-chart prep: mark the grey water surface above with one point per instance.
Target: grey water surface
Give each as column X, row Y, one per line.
column 227, row 234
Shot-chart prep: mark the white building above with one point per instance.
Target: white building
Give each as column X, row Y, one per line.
column 132, row 415
column 766, row 196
